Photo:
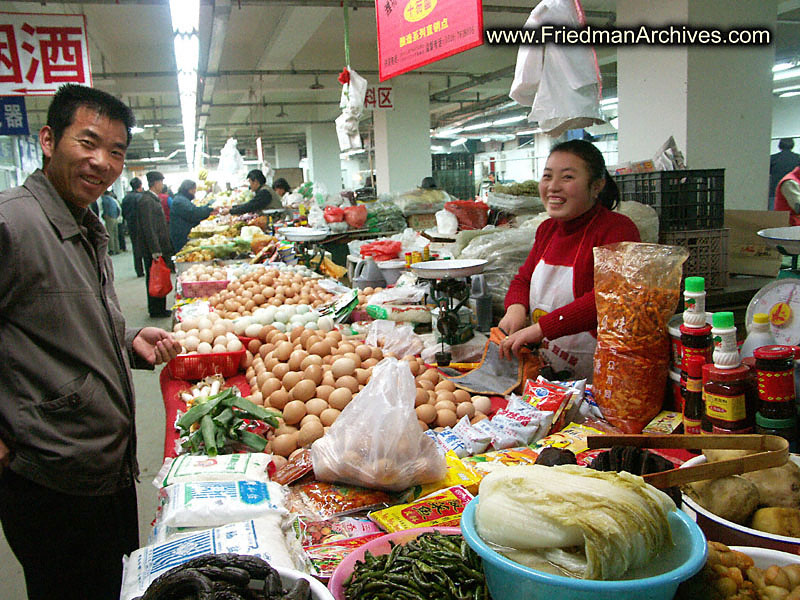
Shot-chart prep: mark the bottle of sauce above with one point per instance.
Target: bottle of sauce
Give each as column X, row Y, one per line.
column 694, row 302
column 729, row 398
column 693, row 407
column 759, row 335
column 695, row 331
column 775, row 377
column 726, row 353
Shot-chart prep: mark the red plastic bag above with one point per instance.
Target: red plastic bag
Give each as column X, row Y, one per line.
column 470, row 215
column 381, row 250
column 333, row 214
column 160, row 283
column 355, row 216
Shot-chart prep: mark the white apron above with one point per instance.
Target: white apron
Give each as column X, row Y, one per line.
column 551, row 288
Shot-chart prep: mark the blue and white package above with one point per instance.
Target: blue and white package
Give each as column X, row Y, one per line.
column 215, row 503
column 453, row 442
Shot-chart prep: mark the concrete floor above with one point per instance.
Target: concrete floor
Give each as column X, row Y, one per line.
column 149, row 422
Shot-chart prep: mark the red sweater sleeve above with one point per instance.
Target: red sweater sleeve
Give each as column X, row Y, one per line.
column 581, row 314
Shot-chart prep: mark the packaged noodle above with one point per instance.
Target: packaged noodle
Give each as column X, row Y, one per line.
column 489, row 461
column 311, row 532
column 442, row 509
column 326, row 557
column 637, row 288
column 458, row 473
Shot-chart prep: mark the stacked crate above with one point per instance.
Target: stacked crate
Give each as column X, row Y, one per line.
column 691, row 211
column 455, row 174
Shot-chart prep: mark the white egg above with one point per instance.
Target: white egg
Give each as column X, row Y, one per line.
column 228, row 325
column 311, row 325
column 190, row 342
column 240, row 325
column 179, row 335
column 310, row 318
column 291, row 309
column 218, row 329
column 325, row 323
column 206, row 335
column 219, row 348
column 252, row 330
column 270, row 313
column 303, row 308
column 204, row 348
column 282, row 315
column 220, row 340
column 234, row 345
column 189, row 324
column 231, row 336
column 204, row 323
column 279, row 326
column 213, row 317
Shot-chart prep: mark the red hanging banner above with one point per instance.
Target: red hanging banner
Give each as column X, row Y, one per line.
column 413, row 33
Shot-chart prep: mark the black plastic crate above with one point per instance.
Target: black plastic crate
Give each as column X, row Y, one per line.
column 684, row 200
column 460, row 184
column 464, row 161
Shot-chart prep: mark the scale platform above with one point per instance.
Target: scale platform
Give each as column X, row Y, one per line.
column 442, row 269
column 303, row 234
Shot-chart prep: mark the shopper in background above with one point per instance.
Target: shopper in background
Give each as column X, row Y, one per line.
column 129, row 217
column 428, row 183
column 185, row 214
column 111, row 214
column 67, row 427
column 281, row 187
column 165, row 197
column 555, row 285
column 780, row 164
column 787, row 195
column 264, row 197
column 153, row 236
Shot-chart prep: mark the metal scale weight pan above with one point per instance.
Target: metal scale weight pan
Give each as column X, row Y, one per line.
column 780, row 299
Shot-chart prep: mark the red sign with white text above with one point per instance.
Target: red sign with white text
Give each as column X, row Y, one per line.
column 413, row 33
column 41, row 52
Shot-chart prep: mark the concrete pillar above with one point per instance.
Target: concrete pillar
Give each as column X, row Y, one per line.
column 287, row 156
column 324, row 165
column 715, row 100
column 403, row 139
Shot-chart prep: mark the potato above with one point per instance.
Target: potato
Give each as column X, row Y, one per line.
column 778, row 520
column 733, row 498
column 779, row 486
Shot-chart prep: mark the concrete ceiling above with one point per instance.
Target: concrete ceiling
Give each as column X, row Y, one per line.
column 259, row 59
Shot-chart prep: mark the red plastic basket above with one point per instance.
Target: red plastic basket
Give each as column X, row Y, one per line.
column 197, row 366
column 201, row 289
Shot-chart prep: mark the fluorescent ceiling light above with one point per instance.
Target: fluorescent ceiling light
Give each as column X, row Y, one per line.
column 606, row 101
column 185, row 16
column 457, row 142
column 437, row 149
column 509, row 120
column 486, row 139
column 789, row 94
column 135, row 129
column 476, row 126
column 450, row 132
column 781, row 67
column 788, row 88
column 787, row 74
column 529, row 132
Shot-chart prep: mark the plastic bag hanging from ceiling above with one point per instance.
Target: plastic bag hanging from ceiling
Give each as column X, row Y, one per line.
column 561, row 83
column 352, row 105
column 231, row 163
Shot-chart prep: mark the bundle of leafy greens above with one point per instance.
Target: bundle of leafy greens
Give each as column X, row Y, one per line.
column 587, row 523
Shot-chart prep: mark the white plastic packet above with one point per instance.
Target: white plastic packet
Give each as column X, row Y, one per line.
column 224, row 467
column 215, row 503
column 446, row 222
column 262, row 537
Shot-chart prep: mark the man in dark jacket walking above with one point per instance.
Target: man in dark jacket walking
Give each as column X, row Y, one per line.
column 129, row 218
column 153, row 236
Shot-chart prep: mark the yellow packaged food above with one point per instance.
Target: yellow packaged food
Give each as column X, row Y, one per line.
column 572, row 437
column 483, row 463
column 442, row 509
column 458, row 473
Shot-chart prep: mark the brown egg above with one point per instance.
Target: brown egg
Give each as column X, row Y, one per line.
column 431, row 375
column 328, row 360
column 377, row 353
column 421, row 397
column 309, row 433
column 278, row 399
column 304, row 390
column 280, row 370
column 426, row 413
column 315, row 406
column 324, row 391
column 321, row 348
column 445, row 418
column 460, row 396
column 424, row 384
column 296, row 359
column 445, row 404
column 482, row 404
column 311, row 359
column 343, row 366
column 295, row 333
column 328, row 416
column 254, row 345
column 339, row 398
column 250, row 373
column 431, row 397
column 465, row 408
column 479, row 416
column 327, row 379
column 283, row 351
column 314, row 373
column 270, row 363
column 308, row 418
column 283, row 428
column 345, row 347
column 335, row 334
column 423, row 425
column 362, row 375
column 311, row 340
column 284, row 445
column 280, row 337
column 445, row 384
column 348, row 381
column 444, row 395
column 291, row 379
column 364, row 352
column 261, row 378
column 294, row 411
column 256, row 398
column 270, row 385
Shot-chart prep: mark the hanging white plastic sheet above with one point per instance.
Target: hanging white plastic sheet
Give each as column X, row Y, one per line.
column 561, row 83
column 352, row 104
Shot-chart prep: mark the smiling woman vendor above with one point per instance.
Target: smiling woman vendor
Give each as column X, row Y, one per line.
column 555, row 285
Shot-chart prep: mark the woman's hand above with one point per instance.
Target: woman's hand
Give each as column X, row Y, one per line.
column 513, row 344
column 514, row 319
column 155, row 345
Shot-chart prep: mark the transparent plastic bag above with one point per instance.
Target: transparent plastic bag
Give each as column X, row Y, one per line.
column 394, row 337
column 376, row 442
column 637, row 288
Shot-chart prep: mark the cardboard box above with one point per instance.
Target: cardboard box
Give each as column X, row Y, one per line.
column 748, row 254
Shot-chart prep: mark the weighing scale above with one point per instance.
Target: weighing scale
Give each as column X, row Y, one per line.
column 780, row 299
column 305, row 240
column 450, row 290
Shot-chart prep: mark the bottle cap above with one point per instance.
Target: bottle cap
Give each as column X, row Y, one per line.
column 766, row 423
column 711, row 371
column 698, row 331
column 761, row 318
column 695, row 284
column 694, row 366
column 723, row 320
column 774, row 352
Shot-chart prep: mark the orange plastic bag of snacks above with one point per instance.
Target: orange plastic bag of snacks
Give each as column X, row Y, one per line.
column 636, row 290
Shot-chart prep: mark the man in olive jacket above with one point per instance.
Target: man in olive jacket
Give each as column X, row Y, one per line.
column 153, row 238
column 67, row 419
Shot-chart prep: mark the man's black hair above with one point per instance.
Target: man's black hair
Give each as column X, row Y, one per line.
column 281, row 183
column 136, row 183
column 70, row 96
column 153, row 177
column 257, row 175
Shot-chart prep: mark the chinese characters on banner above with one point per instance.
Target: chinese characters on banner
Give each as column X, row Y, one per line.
column 13, row 117
column 413, row 33
column 379, row 97
column 41, row 52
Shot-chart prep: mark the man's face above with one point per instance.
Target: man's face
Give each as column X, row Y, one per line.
column 280, row 191
column 157, row 187
column 254, row 185
column 87, row 159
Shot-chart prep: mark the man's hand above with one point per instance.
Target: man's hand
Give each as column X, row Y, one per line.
column 5, row 457
column 156, row 346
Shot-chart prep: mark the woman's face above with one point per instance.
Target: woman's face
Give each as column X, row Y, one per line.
column 566, row 187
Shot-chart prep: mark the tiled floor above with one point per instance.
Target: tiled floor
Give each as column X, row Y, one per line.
column 149, row 422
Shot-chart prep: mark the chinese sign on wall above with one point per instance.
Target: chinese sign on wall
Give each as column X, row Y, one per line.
column 412, row 33
column 379, row 97
column 13, row 117
column 41, row 52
